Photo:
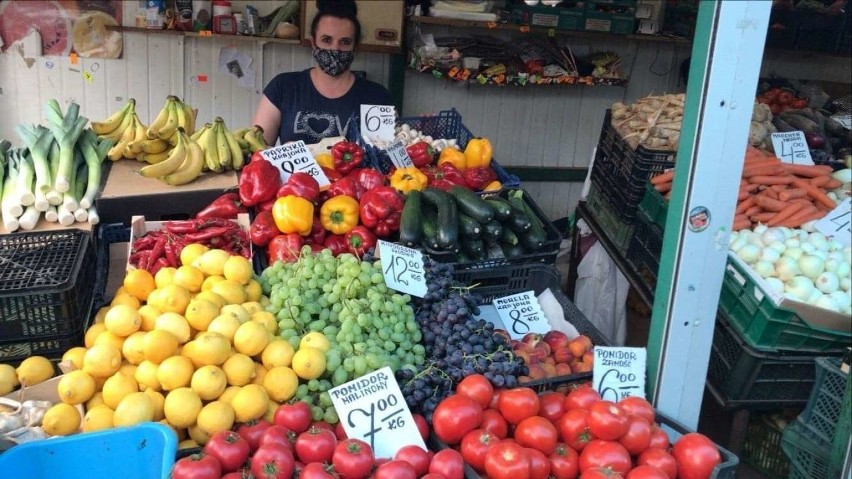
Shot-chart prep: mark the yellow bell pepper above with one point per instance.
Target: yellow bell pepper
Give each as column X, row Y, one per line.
column 478, row 153
column 493, row 186
column 325, row 160
column 293, row 214
column 453, row 156
column 407, row 179
column 339, row 214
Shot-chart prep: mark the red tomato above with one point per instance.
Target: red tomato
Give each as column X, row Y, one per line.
column 339, row 432
column 295, row 417
column 608, row 420
column 637, row 437
column 433, row 475
column 507, row 460
column 785, row 97
column 315, row 445
column 197, row 466
column 272, row 462
column 600, row 473
column 352, row 459
column 605, row 454
column 447, row 463
column 659, row 438
column 564, row 462
column 574, row 429
column 774, row 108
column 322, row 425
column 252, row 431
column 539, row 464
column 418, row 457
column 696, row 456
column 518, row 404
column 229, row 448
column 422, row 426
column 636, row 406
column 646, row 472
column 395, row 470
column 772, row 93
column 552, row 406
column 475, row 445
column 538, row 433
column 581, row 398
column 276, row 434
column 477, row 388
column 661, row 459
column 799, row 103
column 316, row 470
column 493, row 422
column 454, row 417
column 234, row 475
column 495, row 400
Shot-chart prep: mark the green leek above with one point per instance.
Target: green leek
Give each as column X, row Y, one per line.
column 66, row 130
column 26, row 174
column 10, row 208
column 38, row 140
column 94, row 155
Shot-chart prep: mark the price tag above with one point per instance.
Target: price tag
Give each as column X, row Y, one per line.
column 372, row 409
column 619, row 372
column 838, row 223
column 294, row 158
column 844, row 120
column 791, row 147
column 399, row 156
column 403, row 268
column 521, row 314
column 377, row 123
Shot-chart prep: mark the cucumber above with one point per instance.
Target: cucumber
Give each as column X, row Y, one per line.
column 492, row 230
column 518, row 221
column 474, row 249
column 429, row 238
column 447, row 222
column 468, row 227
column 433, row 196
column 502, row 211
column 535, row 237
column 472, row 205
column 410, row 224
column 512, row 251
column 507, row 236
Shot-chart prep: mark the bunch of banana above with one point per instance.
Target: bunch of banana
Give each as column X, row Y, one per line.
column 182, row 165
column 251, row 139
column 220, row 146
column 124, row 128
column 174, row 114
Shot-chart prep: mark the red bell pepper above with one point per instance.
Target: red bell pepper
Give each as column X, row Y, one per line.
column 444, row 176
column 336, row 243
column 302, row 185
column 367, row 177
column 316, row 248
column 259, row 181
column 477, row 178
column 347, row 156
column 360, row 239
column 284, row 248
column 317, row 234
column 346, row 186
column 227, row 207
column 263, row 229
column 332, row 175
column 381, row 209
column 421, row 154
column 266, row 205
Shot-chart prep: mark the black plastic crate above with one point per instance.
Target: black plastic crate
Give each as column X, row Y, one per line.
column 107, row 235
column 604, row 212
column 818, row 31
column 762, row 448
column 808, row 458
column 646, row 246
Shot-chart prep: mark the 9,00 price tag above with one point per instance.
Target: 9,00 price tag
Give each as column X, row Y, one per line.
column 295, row 158
column 838, row 223
column 402, row 268
column 377, row 123
column 521, row 314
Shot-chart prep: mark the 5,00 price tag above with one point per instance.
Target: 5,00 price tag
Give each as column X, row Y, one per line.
column 295, row 158
column 619, row 372
column 377, row 123
column 791, row 147
column 399, row 156
column 521, row 314
column 402, row 268
column 372, row 409
column 838, row 223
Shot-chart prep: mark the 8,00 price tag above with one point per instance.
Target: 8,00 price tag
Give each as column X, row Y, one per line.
column 838, row 223
column 399, row 156
column 791, row 147
column 521, row 314
column 619, row 372
column 402, row 268
column 377, row 123
column 295, row 158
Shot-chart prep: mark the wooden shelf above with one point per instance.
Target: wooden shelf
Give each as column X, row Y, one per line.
column 291, row 41
column 465, row 75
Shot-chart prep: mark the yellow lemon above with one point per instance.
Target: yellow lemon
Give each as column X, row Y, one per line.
column 269, row 416
column 197, row 435
column 175, row 372
column 180, row 433
column 158, row 345
column 9, row 379
column 73, row 356
column 259, row 374
column 237, row 311
column 159, row 401
column 128, row 369
column 229, row 394
column 189, row 278
column 231, row 290
column 239, row 369
column 76, row 387
column 134, row 409
column 209, row 281
column 210, row 347
column 92, row 333
column 99, row 382
column 164, row 276
column 238, row 268
column 148, row 313
column 200, row 313
column 174, row 323
column 278, row 352
column 98, row 418
column 61, row 420
column 174, row 299
column 154, row 298
column 187, row 444
column 212, row 297
column 110, row 339
column 126, row 299
column 133, row 348
column 281, row 383
column 215, row 417
column 309, row 363
column 251, row 338
column 250, row 402
column 212, row 262
column 139, row 283
column 146, row 376
column 315, row 339
column 122, row 320
column 97, row 400
column 268, row 321
column 99, row 317
column 252, row 307
column 253, row 290
column 226, row 325
column 102, row 360
column 209, row 382
column 182, row 407
column 192, row 251
column 117, row 387
column 264, row 301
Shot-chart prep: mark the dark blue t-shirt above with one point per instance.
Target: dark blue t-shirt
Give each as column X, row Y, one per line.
column 307, row 115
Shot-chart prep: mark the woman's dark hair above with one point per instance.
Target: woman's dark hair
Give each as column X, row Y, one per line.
column 344, row 9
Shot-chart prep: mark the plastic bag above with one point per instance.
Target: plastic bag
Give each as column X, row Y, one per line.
column 601, row 294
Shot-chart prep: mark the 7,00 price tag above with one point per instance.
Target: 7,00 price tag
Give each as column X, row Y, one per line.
column 402, row 268
column 295, row 158
column 838, row 223
column 619, row 372
column 377, row 123
column 521, row 314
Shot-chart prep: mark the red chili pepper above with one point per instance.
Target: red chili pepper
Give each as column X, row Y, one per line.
column 263, row 229
column 368, row 178
column 421, row 153
column 210, row 233
column 336, row 243
column 156, row 252
column 259, row 180
column 381, row 209
column 172, row 255
column 158, row 265
column 360, row 239
column 143, row 243
column 347, row 156
column 140, row 260
column 227, row 206
column 346, row 186
column 302, row 185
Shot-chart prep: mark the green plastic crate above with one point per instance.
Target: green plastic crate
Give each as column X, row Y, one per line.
column 762, row 448
column 655, row 207
column 808, row 459
column 616, row 230
column 609, row 16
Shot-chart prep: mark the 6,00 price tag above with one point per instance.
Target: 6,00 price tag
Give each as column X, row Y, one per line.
column 295, row 158
column 402, row 268
column 838, row 223
column 521, row 314
column 619, row 372
column 377, row 123
column 372, row 409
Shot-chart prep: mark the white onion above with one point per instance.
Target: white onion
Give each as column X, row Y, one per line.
column 846, row 284
column 788, row 232
column 818, row 240
column 794, row 253
column 792, row 243
column 809, row 227
column 760, row 228
column 770, row 255
column 821, row 254
column 808, row 247
column 843, row 176
column 814, row 297
column 841, row 298
column 799, row 288
column 843, row 270
column 786, row 268
column 802, row 235
column 750, row 253
column 811, row 266
column 835, row 245
column 776, row 284
column 825, row 301
column 831, row 264
column 741, row 241
column 827, row 282
column 772, row 235
column 778, row 246
column 733, row 237
column 764, row 268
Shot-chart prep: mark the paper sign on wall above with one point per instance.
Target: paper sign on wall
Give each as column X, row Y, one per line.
column 399, row 156
column 402, row 268
column 838, row 223
column 619, row 372
column 791, row 147
column 295, row 157
column 373, row 409
column 377, row 123
column 521, row 314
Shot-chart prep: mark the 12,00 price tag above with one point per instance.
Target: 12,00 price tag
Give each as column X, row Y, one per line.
column 403, row 268
column 372, row 409
column 521, row 314
column 838, row 223
column 377, row 123
column 791, row 147
column 399, row 156
column 619, row 372
column 295, row 158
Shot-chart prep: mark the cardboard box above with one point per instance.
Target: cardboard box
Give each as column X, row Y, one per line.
column 44, row 225
column 565, row 17
column 126, row 193
column 45, row 391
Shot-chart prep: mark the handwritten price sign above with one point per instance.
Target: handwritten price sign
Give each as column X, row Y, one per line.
column 372, row 409
column 791, row 147
column 295, row 157
column 399, row 156
column 403, row 268
column 521, row 314
column 838, row 223
column 619, row 372
column 377, row 123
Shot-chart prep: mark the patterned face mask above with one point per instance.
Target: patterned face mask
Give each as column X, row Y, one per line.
column 333, row 62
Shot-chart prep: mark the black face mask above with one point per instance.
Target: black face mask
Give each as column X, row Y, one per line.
column 333, row 62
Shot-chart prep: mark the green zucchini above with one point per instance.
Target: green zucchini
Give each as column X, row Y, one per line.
column 474, row 249
column 535, row 237
column 468, row 227
column 519, row 222
column 410, row 224
column 448, row 223
column 492, row 230
column 512, row 251
column 433, row 196
column 507, row 236
column 472, row 205
column 429, row 237
column 502, row 211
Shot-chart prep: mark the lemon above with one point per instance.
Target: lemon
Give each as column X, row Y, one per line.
column 180, row 433
column 73, row 356
column 126, row 299
column 239, row 269
column 215, row 417
column 250, row 402
column 253, row 290
column 154, row 298
column 208, row 348
column 117, row 387
column 128, row 369
column 315, row 339
column 176, row 324
column 121, row 290
column 268, row 321
column 139, row 283
column 122, row 320
column 229, row 394
column 158, row 345
column 309, row 363
column 175, row 372
column 259, row 374
column 99, row 317
column 159, row 401
column 231, row 290
column 281, row 383
column 99, row 382
column 212, row 297
column 182, row 407
column 264, row 300
column 197, row 435
column 148, row 313
column 237, row 311
column 212, row 262
column 192, row 251
column 92, row 333
column 251, row 338
column 34, row 370
column 134, row 409
column 9, row 379
column 269, row 416
column 226, row 325
column 252, row 307
column 110, row 339
column 239, row 369
column 200, row 312
column 164, row 276
column 76, row 387
column 98, row 418
column 189, row 278
column 174, row 299
column 97, row 400
column 209, row 382
column 187, row 444
column 102, row 360
column 61, row 420
column 278, row 352
column 209, row 281
column 133, row 348
column 146, row 376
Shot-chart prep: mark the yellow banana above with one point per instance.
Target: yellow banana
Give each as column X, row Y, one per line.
column 222, row 149
column 154, row 146
column 117, row 134
column 236, row 152
column 134, row 147
column 153, row 158
column 241, row 132
column 189, row 128
column 255, row 139
column 168, row 130
column 170, row 164
column 160, row 120
column 208, row 145
column 195, row 136
column 180, row 113
column 190, row 168
column 110, row 124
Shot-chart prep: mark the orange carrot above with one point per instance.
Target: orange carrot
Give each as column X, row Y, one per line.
column 745, row 204
column 769, row 204
column 763, row 161
column 751, row 188
column 663, row 187
column 743, row 195
column 753, row 211
column 820, row 181
column 666, row 177
column 754, row 152
column 769, row 193
column 771, row 180
column 808, row 171
column 741, row 222
column 833, row 184
column 803, row 216
column 792, row 193
column 778, row 188
column 762, row 217
column 766, row 170
column 817, row 194
column 787, row 212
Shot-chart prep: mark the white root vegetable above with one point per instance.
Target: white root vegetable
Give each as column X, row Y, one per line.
column 652, row 121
